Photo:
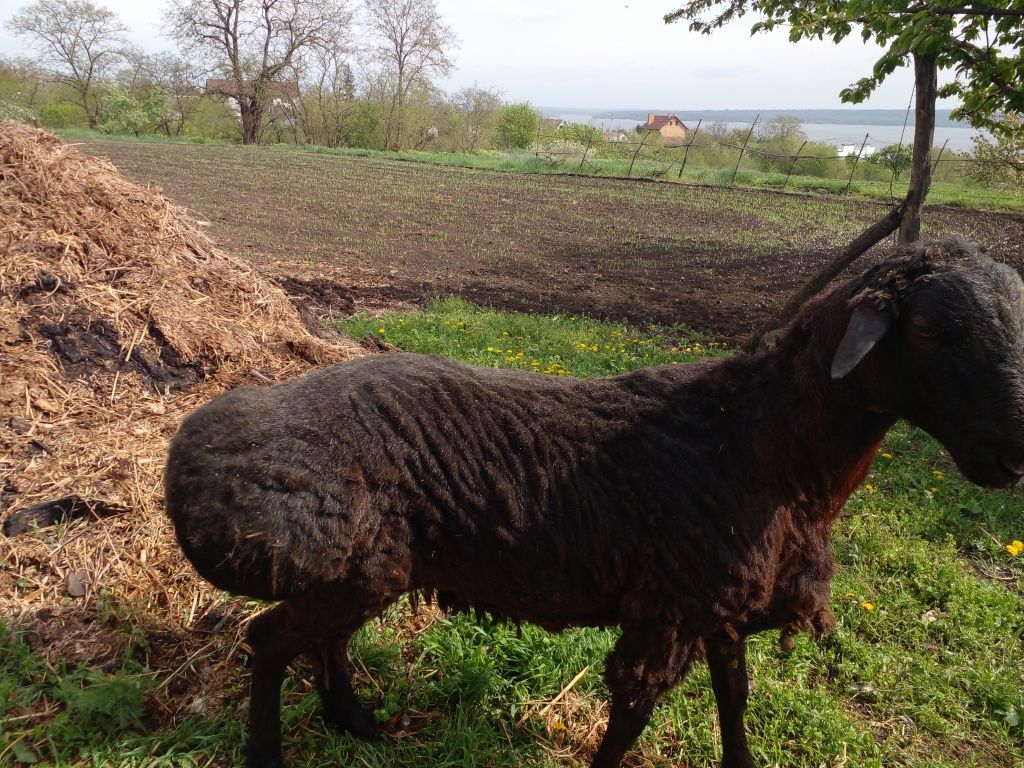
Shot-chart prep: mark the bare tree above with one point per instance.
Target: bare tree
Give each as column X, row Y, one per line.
column 79, row 44
column 137, row 75
column 478, row 109
column 326, row 82
column 178, row 78
column 27, row 75
column 251, row 44
column 413, row 44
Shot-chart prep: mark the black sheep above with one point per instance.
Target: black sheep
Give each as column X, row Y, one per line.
column 691, row 505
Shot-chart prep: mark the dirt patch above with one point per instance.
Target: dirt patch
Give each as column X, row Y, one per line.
column 326, row 296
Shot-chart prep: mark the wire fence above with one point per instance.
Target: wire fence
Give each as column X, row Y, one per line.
column 644, row 153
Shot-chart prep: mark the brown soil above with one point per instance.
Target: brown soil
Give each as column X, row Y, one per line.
column 374, row 234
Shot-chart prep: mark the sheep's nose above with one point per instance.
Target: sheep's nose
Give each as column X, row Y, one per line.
column 1013, row 463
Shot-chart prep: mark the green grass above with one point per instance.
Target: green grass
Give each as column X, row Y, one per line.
column 558, row 344
column 925, row 669
column 88, row 134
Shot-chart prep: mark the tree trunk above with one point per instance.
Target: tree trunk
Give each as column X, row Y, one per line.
column 926, row 76
column 92, row 115
column 906, row 217
column 252, row 119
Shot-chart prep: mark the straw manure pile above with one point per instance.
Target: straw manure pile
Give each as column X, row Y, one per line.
column 117, row 317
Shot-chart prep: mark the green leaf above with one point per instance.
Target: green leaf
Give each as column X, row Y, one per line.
column 23, row 754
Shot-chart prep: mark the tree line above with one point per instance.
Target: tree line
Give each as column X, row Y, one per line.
column 364, row 73
column 326, row 72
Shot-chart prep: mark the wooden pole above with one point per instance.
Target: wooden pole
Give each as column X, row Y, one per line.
column 856, row 160
column 629, row 173
column 744, row 149
column 590, row 140
column 937, row 159
column 793, row 164
column 686, row 152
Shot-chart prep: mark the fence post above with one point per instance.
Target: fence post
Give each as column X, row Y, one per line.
column 792, row 165
column 856, row 160
column 937, row 159
column 629, row 173
column 686, row 152
column 743, row 150
column 590, row 140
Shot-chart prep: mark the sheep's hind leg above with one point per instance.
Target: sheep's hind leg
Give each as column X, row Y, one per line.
column 276, row 637
column 727, row 661
column 342, row 708
column 644, row 665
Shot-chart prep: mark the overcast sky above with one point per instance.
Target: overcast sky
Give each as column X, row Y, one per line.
column 606, row 55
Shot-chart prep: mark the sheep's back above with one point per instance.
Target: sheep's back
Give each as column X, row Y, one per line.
column 394, row 472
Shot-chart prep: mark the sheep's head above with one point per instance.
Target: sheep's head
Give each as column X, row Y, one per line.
column 936, row 336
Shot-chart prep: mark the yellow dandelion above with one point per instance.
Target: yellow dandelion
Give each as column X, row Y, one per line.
column 933, row 489
column 886, row 455
column 869, row 607
column 380, row 330
column 1015, row 548
column 869, row 488
column 938, row 474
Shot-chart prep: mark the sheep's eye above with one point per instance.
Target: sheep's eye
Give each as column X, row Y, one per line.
column 923, row 327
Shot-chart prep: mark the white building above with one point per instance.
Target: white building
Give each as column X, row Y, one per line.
column 851, row 150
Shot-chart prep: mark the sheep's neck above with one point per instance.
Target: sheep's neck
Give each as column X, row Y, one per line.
column 821, row 439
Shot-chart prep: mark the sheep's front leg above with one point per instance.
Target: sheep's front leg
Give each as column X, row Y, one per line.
column 644, row 664
column 727, row 660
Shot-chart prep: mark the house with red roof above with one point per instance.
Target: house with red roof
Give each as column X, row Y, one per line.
column 672, row 129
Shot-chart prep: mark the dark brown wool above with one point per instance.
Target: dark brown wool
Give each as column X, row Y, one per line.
column 691, row 505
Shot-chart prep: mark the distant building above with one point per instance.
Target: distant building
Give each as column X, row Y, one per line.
column 617, row 137
column 851, row 150
column 552, row 123
column 672, row 129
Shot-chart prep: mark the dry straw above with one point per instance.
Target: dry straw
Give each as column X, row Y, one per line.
column 117, row 317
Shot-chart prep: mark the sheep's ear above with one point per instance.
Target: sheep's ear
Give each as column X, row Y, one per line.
column 867, row 326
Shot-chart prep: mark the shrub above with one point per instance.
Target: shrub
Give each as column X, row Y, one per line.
column 123, row 113
column 894, row 158
column 63, row 115
column 363, row 126
column 560, row 149
column 517, row 126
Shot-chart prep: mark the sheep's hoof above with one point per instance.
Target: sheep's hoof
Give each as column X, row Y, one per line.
column 255, row 760
column 787, row 640
column 359, row 723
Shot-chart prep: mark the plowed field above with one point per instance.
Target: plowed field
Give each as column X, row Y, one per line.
column 396, row 232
